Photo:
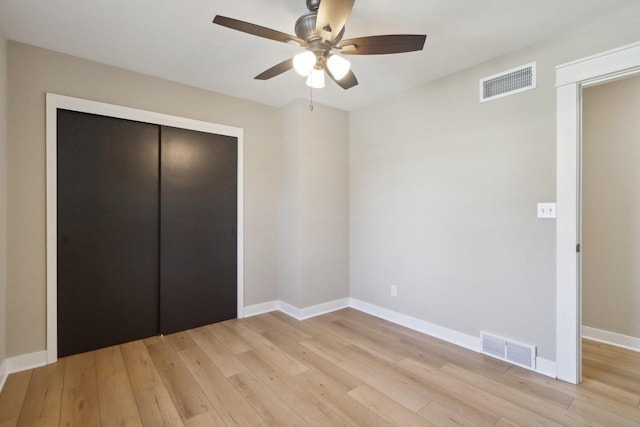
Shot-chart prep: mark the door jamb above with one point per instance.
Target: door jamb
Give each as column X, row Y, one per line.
column 55, row 102
column 571, row 78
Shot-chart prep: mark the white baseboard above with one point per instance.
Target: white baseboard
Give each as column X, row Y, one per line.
column 20, row 363
column 265, row 307
column 295, row 312
column 546, row 367
column 458, row 338
column 3, row 373
column 26, row 361
column 314, row 310
column 543, row 366
column 611, row 338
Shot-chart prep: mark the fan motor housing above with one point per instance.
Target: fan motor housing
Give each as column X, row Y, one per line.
column 306, row 28
column 313, row 5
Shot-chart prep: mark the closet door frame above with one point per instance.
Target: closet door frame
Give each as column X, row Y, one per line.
column 55, row 102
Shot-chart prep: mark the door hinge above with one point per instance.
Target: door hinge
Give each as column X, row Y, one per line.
column 578, row 248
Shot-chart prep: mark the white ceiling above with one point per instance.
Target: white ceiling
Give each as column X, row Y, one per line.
column 175, row 39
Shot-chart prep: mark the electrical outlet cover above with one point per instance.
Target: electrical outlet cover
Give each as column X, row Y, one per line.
column 546, row 210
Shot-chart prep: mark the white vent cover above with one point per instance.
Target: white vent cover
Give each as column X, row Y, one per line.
column 508, row 82
column 514, row 352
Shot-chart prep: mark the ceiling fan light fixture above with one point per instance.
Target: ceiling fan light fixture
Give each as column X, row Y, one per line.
column 316, row 78
column 338, row 66
column 304, row 62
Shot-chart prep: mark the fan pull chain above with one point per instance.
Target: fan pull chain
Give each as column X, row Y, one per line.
column 311, row 98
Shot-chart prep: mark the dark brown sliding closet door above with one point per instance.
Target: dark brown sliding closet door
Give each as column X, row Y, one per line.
column 198, row 258
column 108, row 241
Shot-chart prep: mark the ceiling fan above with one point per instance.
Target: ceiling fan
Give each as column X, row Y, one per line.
column 320, row 32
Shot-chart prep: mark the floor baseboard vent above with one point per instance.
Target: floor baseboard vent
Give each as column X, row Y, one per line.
column 510, row 351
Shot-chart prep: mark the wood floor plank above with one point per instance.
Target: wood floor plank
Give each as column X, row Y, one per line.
column 311, row 359
column 375, row 373
column 335, row 397
column 599, row 415
column 365, row 339
column 117, row 403
column 624, row 368
column 426, row 389
column 140, row 368
column 550, row 395
column 321, row 331
column 614, row 355
column 217, row 352
column 208, row 419
column 154, row 403
column 506, row 423
column 345, row 368
column 363, row 323
column 611, row 352
column 223, row 334
column 272, row 410
column 269, row 322
column 305, row 404
column 185, row 392
column 542, row 407
column 425, row 351
column 607, row 406
column 387, row 408
column 152, row 340
column 229, row 403
column 588, row 389
column 80, row 405
column 13, row 397
column 267, row 349
column 180, row 340
column 312, row 327
column 43, row 400
column 450, row 398
column 156, row 407
column 478, row 396
column 441, row 416
column 614, row 378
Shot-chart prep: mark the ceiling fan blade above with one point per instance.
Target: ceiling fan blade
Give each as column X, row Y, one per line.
column 256, row 30
column 332, row 15
column 379, row 45
column 346, row 82
column 276, row 70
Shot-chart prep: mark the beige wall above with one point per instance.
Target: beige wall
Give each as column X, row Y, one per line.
column 314, row 209
column 611, row 207
column 290, row 205
column 443, row 194
column 34, row 71
column 3, row 194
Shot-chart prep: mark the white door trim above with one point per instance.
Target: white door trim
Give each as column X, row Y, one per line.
column 570, row 79
column 55, row 102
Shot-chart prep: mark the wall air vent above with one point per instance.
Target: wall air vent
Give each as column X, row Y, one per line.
column 510, row 351
column 508, row 83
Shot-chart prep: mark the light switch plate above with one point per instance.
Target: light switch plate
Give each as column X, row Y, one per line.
column 546, row 210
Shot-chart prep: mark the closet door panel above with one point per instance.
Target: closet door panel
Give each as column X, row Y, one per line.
column 108, row 243
column 198, row 219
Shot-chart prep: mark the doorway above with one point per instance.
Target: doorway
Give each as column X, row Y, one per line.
column 610, row 210
column 571, row 79
column 177, row 126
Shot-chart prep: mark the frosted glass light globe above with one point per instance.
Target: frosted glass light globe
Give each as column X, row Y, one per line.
column 304, row 62
column 338, row 66
column 316, row 79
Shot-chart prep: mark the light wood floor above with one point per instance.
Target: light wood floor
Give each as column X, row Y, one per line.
column 344, row 368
